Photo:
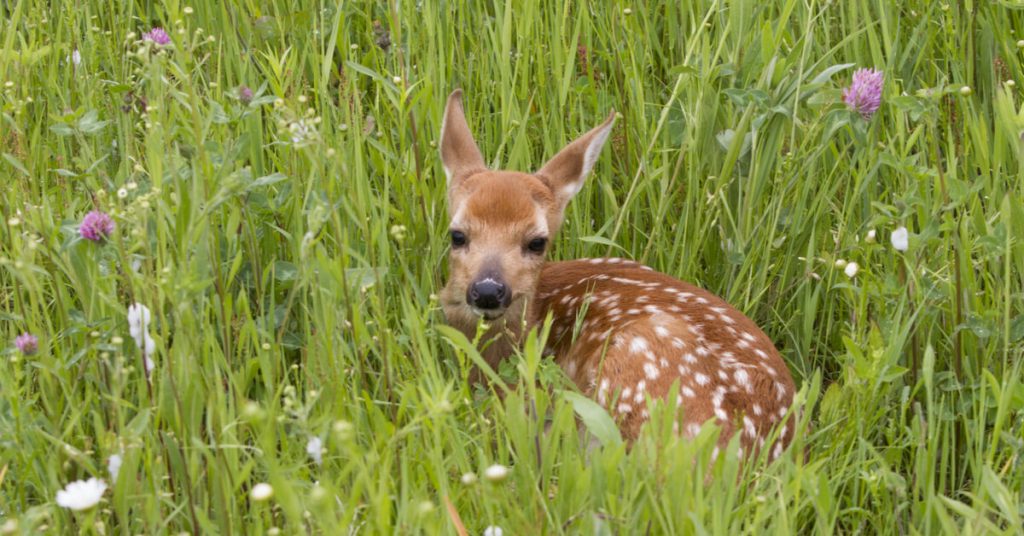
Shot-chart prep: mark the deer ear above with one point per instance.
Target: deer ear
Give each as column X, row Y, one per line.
column 459, row 153
column 566, row 172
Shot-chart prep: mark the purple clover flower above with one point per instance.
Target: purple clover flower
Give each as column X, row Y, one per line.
column 96, row 226
column 864, row 95
column 27, row 343
column 245, row 94
column 157, row 35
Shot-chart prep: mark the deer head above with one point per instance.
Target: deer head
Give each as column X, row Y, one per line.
column 502, row 222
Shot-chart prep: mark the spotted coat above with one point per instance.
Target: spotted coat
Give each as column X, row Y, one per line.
column 639, row 331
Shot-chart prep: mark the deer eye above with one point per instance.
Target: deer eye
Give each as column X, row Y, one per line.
column 458, row 239
column 537, row 245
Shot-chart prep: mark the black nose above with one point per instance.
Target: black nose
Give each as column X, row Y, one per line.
column 488, row 294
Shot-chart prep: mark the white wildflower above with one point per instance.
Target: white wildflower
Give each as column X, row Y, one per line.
column 851, row 270
column 493, row 530
column 900, row 239
column 138, row 325
column 315, row 449
column 301, row 132
column 261, row 492
column 114, row 466
column 138, row 320
column 76, row 57
column 81, row 494
column 496, row 473
column 469, row 478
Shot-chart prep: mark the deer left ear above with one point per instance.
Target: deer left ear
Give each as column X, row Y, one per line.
column 565, row 173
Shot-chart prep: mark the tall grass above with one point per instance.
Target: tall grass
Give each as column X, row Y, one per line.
column 289, row 248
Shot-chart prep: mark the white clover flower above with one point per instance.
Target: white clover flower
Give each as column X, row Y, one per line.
column 851, row 270
column 900, row 239
column 493, row 530
column 114, row 466
column 496, row 473
column 76, row 57
column 138, row 325
column 301, row 132
column 81, row 494
column 870, row 237
column 469, row 478
column 138, row 319
column 840, row 263
column 261, row 492
column 315, row 449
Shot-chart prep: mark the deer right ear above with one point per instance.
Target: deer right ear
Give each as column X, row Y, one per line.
column 459, row 153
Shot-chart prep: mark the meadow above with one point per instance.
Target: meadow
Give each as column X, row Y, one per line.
column 277, row 205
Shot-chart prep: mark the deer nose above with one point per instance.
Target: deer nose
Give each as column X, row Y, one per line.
column 488, row 294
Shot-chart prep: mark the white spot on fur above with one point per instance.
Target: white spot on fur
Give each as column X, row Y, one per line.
column 651, row 371
column 701, row 378
column 748, row 427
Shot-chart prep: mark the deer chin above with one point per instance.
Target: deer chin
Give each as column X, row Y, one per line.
column 488, row 314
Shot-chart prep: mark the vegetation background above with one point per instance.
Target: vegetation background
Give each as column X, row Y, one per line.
column 288, row 243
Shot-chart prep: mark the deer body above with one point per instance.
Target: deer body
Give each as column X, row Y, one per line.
column 640, row 331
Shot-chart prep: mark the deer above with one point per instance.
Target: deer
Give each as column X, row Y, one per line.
column 623, row 333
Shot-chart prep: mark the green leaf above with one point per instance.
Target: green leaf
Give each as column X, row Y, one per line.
column 826, row 75
column 593, row 239
column 460, row 342
column 12, row 160
column 1017, row 328
column 285, row 271
column 595, row 418
column 364, row 278
column 266, row 180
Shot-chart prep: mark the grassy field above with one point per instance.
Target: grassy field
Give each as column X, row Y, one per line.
column 289, row 241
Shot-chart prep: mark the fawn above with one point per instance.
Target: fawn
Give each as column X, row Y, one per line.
column 641, row 330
